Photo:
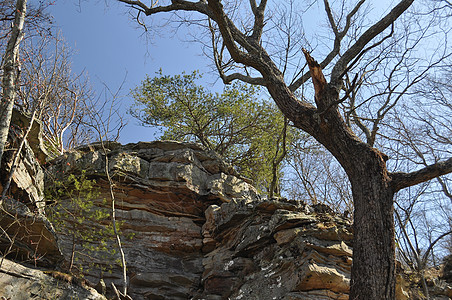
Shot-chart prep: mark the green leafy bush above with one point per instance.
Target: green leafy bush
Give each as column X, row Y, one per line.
column 83, row 221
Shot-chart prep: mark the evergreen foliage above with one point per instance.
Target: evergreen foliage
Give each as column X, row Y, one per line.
column 244, row 129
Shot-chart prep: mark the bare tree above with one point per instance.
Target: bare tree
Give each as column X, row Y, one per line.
column 399, row 104
column 36, row 20
column 411, row 251
column 10, row 73
column 316, row 177
column 48, row 80
column 13, row 16
column 244, row 48
column 423, row 133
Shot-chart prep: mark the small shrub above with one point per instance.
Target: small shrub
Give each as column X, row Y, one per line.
column 85, row 225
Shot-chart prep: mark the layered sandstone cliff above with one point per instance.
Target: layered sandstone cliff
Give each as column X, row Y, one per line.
column 191, row 227
column 200, row 231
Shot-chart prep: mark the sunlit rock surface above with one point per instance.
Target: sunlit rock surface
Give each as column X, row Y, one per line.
column 275, row 249
column 162, row 190
column 201, row 231
column 192, row 228
column 19, row 282
column 26, row 234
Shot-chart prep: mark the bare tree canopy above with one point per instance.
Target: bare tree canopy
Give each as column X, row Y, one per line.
column 368, row 67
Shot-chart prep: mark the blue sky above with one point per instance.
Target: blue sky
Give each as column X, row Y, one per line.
column 108, row 46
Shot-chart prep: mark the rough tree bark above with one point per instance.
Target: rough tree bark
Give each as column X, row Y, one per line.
column 10, row 73
column 372, row 191
column 373, row 186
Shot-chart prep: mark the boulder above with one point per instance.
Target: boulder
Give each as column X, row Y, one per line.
column 20, row 282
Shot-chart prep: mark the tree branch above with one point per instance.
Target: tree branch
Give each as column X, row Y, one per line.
column 338, row 36
column 430, row 247
column 317, row 78
column 402, row 180
column 199, row 6
column 242, row 77
column 227, row 79
column 366, row 37
column 231, row 35
column 258, row 12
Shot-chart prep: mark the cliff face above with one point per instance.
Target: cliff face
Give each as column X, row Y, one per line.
column 162, row 190
column 191, row 228
column 26, row 236
column 275, row 249
column 202, row 232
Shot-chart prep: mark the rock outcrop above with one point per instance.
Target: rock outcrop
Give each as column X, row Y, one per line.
column 275, row 249
column 438, row 286
column 26, row 233
column 191, row 227
column 27, row 185
column 18, row 282
column 162, row 190
column 200, row 231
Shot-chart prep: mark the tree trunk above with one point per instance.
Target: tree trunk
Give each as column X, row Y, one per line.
column 10, row 61
column 373, row 274
column 373, row 270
